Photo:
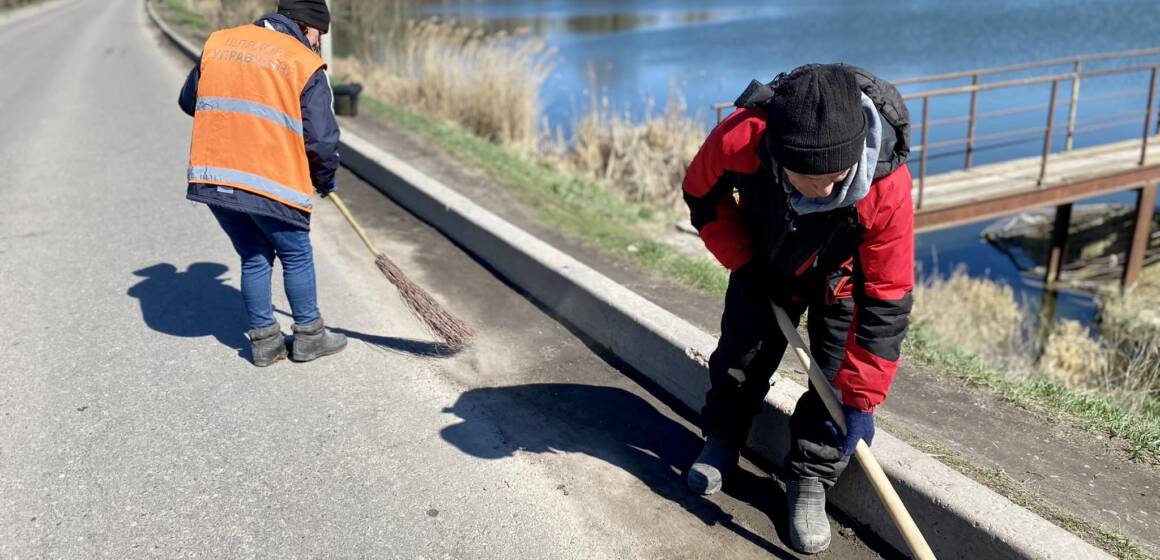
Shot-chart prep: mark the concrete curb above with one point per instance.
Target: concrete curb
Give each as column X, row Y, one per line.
column 959, row 517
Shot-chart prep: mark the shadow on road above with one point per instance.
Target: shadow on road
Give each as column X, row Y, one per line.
column 193, row 303
column 198, row 303
column 422, row 348
column 615, row 426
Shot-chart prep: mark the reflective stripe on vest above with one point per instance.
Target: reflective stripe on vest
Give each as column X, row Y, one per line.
column 249, row 182
column 250, row 108
column 247, row 126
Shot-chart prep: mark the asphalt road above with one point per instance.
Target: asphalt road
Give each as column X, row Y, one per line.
column 131, row 425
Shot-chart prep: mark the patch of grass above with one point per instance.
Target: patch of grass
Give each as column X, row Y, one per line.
column 566, row 202
column 1088, row 411
column 178, row 11
column 1112, row 542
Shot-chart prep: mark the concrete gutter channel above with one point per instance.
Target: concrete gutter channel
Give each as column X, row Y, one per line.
column 959, row 517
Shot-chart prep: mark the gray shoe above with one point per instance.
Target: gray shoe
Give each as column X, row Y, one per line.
column 809, row 528
column 717, row 458
column 267, row 345
column 312, row 341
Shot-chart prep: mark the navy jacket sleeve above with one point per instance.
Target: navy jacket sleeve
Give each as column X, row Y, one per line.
column 188, row 98
column 320, row 130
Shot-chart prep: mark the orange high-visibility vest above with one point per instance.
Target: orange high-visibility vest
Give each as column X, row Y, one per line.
column 247, row 130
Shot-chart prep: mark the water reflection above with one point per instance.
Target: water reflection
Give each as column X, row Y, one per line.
column 596, row 24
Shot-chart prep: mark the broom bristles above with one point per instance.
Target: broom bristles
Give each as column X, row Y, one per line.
column 438, row 320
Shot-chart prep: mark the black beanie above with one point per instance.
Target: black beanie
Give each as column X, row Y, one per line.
column 311, row 12
column 815, row 124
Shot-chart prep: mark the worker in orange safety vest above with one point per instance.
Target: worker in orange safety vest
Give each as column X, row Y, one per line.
column 265, row 139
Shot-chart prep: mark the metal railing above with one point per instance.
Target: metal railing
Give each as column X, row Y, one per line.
column 1048, row 131
column 973, row 142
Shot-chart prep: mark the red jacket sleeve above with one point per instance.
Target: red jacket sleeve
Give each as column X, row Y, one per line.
column 732, row 146
column 884, row 279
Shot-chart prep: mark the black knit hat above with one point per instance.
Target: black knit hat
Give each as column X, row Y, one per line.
column 815, row 124
column 311, row 12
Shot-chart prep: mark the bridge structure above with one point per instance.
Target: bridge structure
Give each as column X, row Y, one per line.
column 1007, row 139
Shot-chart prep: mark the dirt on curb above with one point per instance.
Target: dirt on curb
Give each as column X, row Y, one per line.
column 1079, row 480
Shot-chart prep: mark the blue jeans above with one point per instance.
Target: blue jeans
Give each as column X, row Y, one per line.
column 258, row 239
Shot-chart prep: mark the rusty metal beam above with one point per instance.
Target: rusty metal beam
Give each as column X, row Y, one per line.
column 1142, row 232
column 1058, row 252
column 929, row 219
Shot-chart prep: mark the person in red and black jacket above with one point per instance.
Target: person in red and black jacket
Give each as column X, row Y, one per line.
column 804, row 194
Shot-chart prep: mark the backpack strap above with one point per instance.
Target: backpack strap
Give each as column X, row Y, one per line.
column 756, row 95
column 893, row 110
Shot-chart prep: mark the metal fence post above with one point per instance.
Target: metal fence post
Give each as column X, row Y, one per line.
column 1074, row 104
column 1148, row 116
column 971, row 122
column 1047, row 135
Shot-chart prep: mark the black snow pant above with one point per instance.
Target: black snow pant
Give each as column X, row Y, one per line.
column 748, row 352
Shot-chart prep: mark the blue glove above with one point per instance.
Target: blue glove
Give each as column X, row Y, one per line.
column 323, row 191
column 859, row 425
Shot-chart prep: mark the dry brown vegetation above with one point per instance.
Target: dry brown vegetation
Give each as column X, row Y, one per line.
column 642, row 161
column 1071, row 355
column 486, row 84
column 489, row 85
column 982, row 316
column 978, row 314
column 1138, row 310
column 1130, row 324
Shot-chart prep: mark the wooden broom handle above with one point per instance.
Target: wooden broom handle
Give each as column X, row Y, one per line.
column 898, row 513
column 342, row 209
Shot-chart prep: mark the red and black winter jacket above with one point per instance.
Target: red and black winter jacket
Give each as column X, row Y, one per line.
column 865, row 251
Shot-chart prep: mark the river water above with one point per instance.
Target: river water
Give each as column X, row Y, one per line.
column 634, row 51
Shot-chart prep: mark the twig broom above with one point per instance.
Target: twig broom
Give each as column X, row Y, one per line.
column 438, row 320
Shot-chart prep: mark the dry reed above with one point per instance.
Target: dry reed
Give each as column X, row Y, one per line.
column 486, row 84
column 982, row 316
column 1136, row 312
column 978, row 314
column 642, row 161
column 1130, row 329
column 1071, row 356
